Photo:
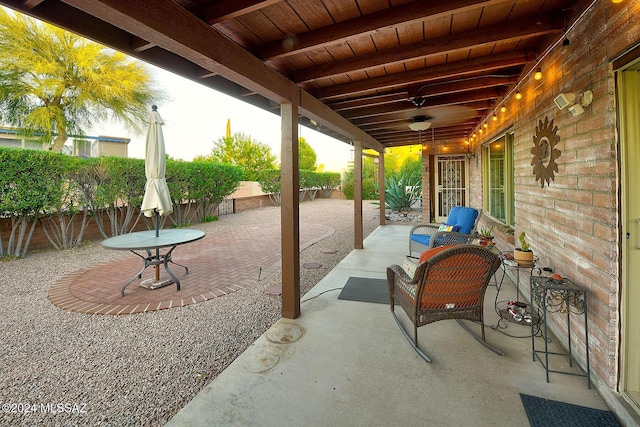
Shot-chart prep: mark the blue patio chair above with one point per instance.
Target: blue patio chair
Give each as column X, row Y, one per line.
column 460, row 228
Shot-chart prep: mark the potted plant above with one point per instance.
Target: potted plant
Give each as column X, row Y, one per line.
column 523, row 255
column 486, row 236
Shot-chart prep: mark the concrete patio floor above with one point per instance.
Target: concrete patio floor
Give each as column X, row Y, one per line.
column 345, row 363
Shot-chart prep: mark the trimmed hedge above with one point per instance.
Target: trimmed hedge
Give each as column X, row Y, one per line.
column 51, row 188
column 310, row 182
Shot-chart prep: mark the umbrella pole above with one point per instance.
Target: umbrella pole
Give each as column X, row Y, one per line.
column 157, row 249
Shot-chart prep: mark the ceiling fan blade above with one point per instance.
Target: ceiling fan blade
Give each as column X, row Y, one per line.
column 445, row 115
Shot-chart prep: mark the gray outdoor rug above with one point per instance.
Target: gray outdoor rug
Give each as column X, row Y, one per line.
column 551, row 413
column 366, row 289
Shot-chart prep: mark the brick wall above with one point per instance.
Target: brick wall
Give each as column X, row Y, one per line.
column 572, row 224
column 39, row 239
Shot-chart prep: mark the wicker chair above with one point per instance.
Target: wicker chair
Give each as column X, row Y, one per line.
column 449, row 283
column 463, row 221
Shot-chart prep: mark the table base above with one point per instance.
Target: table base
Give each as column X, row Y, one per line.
column 156, row 260
column 156, row 284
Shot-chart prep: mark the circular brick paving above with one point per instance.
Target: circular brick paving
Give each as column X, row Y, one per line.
column 218, row 264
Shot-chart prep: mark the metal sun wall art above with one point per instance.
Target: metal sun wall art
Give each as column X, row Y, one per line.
column 545, row 152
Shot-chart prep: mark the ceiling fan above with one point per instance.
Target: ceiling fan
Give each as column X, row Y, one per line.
column 423, row 118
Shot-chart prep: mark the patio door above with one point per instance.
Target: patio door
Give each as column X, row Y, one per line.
column 451, row 185
column 628, row 87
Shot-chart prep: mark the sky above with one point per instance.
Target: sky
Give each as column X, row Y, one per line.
column 195, row 117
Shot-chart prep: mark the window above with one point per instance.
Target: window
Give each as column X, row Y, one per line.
column 498, row 181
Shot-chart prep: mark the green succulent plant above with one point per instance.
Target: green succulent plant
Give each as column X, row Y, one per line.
column 486, row 231
column 524, row 245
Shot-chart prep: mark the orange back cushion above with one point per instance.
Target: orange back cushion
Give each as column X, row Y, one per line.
column 431, row 252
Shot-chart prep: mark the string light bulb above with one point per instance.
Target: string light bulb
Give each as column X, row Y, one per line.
column 495, row 118
column 538, row 74
column 503, row 109
column 518, row 95
column 485, row 125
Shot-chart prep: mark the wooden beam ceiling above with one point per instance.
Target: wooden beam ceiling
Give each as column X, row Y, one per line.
column 355, row 67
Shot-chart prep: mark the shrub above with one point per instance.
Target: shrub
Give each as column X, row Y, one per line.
column 369, row 191
column 269, row 180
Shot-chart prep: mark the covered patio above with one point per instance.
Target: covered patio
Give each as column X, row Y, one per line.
column 346, row 363
column 528, row 109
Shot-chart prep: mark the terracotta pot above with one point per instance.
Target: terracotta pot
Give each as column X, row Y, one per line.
column 523, row 258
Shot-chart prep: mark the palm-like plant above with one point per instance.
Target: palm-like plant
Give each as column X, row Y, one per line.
column 54, row 83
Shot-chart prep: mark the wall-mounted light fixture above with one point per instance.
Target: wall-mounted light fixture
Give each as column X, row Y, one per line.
column 470, row 154
column 565, row 100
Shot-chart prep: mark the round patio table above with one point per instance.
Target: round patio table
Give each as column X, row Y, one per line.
column 148, row 241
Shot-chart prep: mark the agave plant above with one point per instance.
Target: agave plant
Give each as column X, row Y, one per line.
column 402, row 191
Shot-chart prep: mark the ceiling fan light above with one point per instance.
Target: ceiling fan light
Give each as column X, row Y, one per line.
column 418, row 126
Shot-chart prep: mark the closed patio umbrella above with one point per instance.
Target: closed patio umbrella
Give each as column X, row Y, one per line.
column 157, row 200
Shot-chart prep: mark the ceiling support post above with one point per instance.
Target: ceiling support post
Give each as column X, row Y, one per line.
column 383, row 218
column 357, row 195
column 290, row 212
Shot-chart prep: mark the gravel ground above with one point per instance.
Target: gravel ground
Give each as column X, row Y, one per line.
column 67, row 369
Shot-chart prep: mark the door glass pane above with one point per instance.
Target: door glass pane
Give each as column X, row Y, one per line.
column 451, row 184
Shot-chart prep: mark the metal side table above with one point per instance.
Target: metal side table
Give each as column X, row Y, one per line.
column 502, row 307
column 558, row 296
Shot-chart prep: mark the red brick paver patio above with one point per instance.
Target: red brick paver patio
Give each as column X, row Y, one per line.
column 220, row 263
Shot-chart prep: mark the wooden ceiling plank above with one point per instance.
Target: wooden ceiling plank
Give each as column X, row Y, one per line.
column 494, row 62
column 385, row 39
column 483, row 82
column 370, row 23
column 373, row 106
column 268, row 30
column 312, row 13
column 224, row 10
column 205, row 47
column 403, row 115
column 286, row 19
column 442, row 100
column 521, row 29
column 239, row 33
column 372, row 100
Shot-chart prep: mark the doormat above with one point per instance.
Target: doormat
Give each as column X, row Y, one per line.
column 551, row 413
column 365, row 289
